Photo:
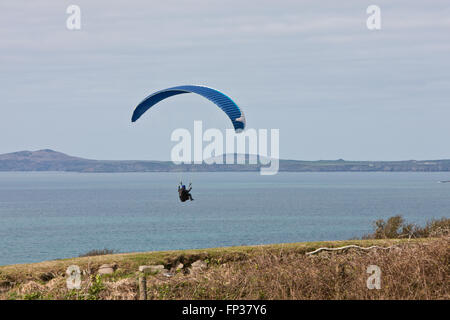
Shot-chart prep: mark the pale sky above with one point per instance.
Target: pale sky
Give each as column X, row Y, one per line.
column 309, row 68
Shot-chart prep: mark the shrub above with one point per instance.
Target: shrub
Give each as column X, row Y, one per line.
column 97, row 252
column 396, row 227
column 96, row 287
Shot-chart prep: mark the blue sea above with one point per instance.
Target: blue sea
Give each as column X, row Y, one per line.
column 52, row 215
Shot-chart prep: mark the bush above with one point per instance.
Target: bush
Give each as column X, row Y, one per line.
column 96, row 287
column 395, row 227
column 98, row 252
column 435, row 228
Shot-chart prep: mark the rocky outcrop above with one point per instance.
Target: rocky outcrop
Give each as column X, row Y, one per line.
column 198, row 266
column 153, row 269
column 107, row 269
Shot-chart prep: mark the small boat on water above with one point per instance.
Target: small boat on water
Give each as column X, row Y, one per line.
column 444, row 181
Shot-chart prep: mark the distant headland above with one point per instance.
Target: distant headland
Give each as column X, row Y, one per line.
column 49, row 160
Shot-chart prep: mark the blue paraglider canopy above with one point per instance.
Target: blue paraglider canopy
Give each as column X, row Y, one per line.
column 221, row 100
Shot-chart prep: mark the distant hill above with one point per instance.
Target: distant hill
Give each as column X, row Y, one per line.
column 49, row 160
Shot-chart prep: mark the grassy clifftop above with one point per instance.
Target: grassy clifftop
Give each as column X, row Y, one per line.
column 415, row 269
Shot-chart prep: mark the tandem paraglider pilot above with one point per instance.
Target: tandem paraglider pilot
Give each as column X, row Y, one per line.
column 184, row 193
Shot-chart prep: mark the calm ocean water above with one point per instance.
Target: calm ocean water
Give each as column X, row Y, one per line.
column 59, row 215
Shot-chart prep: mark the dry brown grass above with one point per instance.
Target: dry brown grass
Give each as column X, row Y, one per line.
column 411, row 270
column 416, row 271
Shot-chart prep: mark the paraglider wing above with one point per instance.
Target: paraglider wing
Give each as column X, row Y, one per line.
column 221, row 100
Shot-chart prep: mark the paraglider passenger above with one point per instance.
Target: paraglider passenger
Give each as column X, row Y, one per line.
column 184, row 193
